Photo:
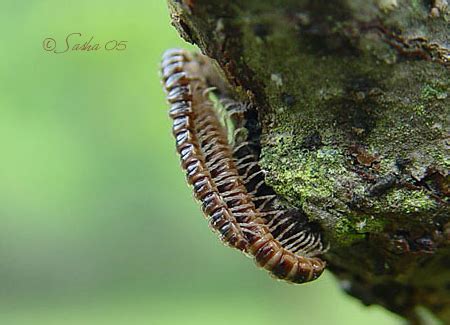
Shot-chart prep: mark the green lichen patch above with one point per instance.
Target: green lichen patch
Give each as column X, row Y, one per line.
column 406, row 202
column 346, row 233
column 310, row 175
column 349, row 230
column 434, row 91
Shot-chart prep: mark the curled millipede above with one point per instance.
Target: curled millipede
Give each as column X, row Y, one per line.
column 227, row 178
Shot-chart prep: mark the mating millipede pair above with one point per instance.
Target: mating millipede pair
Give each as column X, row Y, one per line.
column 227, row 179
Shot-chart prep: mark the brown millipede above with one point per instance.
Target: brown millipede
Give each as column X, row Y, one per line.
column 227, row 179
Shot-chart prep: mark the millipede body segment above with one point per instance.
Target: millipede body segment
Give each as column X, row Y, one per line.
column 227, row 178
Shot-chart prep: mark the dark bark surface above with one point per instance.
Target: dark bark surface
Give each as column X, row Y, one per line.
column 353, row 101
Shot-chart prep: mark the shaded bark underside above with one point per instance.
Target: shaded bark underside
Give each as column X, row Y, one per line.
column 353, row 102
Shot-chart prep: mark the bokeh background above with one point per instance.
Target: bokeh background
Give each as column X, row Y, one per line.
column 97, row 225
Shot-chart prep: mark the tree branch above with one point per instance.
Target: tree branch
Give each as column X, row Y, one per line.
column 353, row 103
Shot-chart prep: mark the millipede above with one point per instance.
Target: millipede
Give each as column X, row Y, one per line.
column 226, row 176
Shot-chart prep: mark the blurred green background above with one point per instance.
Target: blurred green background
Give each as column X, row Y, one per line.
column 97, row 225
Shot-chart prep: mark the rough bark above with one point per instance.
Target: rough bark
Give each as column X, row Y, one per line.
column 353, row 100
